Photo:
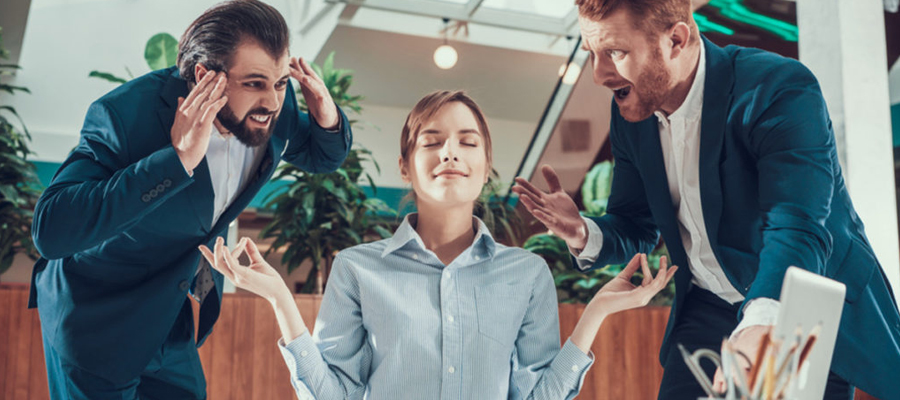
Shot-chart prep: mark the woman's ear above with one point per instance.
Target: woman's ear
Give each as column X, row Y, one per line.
column 404, row 170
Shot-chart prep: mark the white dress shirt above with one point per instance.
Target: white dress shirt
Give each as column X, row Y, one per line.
column 231, row 164
column 679, row 135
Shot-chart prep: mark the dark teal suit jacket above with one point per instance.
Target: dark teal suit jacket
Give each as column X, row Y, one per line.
column 772, row 196
column 119, row 226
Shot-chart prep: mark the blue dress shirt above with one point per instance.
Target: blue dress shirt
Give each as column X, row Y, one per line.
column 396, row 323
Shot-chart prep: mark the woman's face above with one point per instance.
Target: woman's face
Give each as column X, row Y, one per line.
column 448, row 164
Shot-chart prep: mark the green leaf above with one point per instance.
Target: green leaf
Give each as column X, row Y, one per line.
column 107, row 76
column 161, row 51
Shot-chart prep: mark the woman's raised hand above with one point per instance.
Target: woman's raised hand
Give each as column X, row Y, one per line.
column 259, row 277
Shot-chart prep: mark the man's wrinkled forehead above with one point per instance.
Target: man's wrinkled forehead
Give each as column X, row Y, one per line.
column 614, row 30
column 250, row 62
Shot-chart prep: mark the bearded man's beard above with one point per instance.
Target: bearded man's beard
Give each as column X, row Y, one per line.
column 251, row 137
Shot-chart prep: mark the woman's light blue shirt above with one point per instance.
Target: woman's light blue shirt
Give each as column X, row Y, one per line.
column 396, row 323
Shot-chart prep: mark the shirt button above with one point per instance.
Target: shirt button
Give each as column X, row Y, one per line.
column 574, row 368
column 477, row 258
column 450, row 318
column 415, row 256
column 451, row 370
column 304, row 353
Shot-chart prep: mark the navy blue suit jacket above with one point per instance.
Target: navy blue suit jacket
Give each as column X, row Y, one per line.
column 772, row 196
column 119, row 226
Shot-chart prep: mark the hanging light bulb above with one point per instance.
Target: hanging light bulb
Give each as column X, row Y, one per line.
column 445, row 55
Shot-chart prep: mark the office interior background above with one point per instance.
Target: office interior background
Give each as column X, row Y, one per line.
column 519, row 59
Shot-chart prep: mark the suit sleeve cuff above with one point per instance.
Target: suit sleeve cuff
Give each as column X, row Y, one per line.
column 759, row 311
column 586, row 258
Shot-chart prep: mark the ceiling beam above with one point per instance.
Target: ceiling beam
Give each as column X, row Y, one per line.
column 460, row 12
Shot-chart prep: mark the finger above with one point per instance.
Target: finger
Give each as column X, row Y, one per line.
column 533, row 190
column 663, row 275
column 523, row 193
column 295, row 66
column 531, row 206
column 198, row 90
column 645, row 269
column 719, row 381
column 307, row 69
column 240, row 248
column 205, row 96
column 212, row 110
column 233, row 264
column 629, row 269
column 218, row 90
column 211, row 259
column 671, row 273
column 253, row 252
column 207, row 254
column 551, row 178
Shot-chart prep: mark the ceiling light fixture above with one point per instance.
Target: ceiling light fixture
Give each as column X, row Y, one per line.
column 445, row 55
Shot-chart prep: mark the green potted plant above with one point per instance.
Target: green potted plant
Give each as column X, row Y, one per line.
column 572, row 285
column 316, row 215
column 19, row 184
column 160, row 52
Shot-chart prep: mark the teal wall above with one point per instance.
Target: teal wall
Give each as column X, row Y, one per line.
column 895, row 122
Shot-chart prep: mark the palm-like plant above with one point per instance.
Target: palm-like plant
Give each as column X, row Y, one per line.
column 317, row 215
column 19, row 184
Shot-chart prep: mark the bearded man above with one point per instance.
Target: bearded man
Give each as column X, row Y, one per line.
column 164, row 164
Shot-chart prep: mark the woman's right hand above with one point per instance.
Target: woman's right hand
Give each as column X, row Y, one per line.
column 620, row 294
column 259, row 277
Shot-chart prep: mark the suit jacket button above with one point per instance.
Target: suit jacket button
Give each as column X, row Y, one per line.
column 160, row 188
column 145, row 198
column 167, row 183
column 153, row 193
column 184, row 285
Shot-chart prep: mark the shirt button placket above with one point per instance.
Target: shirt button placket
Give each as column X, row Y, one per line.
column 451, row 339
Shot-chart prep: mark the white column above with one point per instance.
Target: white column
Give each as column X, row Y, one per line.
column 843, row 43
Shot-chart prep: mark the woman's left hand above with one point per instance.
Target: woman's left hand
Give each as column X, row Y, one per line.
column 259, row 277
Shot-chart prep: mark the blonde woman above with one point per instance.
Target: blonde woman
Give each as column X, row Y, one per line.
column 439, row 310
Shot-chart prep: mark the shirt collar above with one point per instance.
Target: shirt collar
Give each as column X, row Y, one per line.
column 692, row 106
column 482, row 244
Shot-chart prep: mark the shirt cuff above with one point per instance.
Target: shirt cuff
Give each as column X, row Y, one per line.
column 302, row 357
column 571, row 364
column 591, row 250
column 759, row 311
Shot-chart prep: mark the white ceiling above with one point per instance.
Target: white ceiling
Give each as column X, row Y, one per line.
column 395, row 70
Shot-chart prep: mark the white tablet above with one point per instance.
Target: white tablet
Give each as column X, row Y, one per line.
column 807, row 300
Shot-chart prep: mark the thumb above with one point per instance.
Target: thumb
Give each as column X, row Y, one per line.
column 551, row 178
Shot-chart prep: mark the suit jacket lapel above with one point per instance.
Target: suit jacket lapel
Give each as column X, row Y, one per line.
column 717, row 96
column 201, row 191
